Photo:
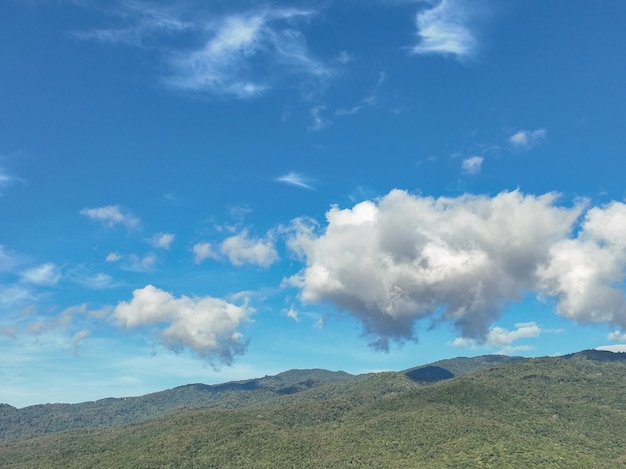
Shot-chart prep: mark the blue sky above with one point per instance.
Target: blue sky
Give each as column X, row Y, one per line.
column 210, row 191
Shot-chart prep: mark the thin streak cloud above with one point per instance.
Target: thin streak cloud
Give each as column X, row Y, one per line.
column 295, row 179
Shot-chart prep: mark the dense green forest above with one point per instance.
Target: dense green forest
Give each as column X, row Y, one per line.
column 487, row 412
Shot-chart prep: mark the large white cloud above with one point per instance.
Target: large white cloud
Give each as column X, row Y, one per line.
column 587, row 273
column 408, row 257
column 208, row 326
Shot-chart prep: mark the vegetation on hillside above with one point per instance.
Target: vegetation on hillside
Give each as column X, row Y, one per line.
column 565, row 412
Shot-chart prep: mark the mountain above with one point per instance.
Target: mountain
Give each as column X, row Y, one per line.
column 52, row 418
column 542, row 412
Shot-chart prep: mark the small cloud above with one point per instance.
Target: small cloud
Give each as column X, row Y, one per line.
column 97, row 282
column 617, row 348
column 111, row 215
column 79, row 336
column 113, row 257
column 161, row 240
column 8, row 260
column 295, row 179
column 8, row 331
column 444, row 29
column 141, row 264
column 292, row 313
column 617, row 336
column 6, row 181
column 472, row 165
column 500, row 337
column 344, row 58
column 45, row 274
column 525, row 139
column 319, row 122
column 203, row 251
column 241, row 249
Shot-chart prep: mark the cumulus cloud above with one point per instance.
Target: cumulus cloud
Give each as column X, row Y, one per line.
column 445, row 29
column 145, row 263
column 586, row 273
column 404, row 258
column 525, row 139
column 501, row 337
column 111, row 215
column 617, row 336
column 472, row 165
column 113, row 257
column 44, row 274
column 295, row 179
column 206, row 325
column 241, row 249
column 161, row 240
column 204, row 251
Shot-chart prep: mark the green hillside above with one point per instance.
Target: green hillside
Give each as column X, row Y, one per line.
column 565, row 412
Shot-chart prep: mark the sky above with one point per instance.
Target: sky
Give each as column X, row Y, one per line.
column 214, row 191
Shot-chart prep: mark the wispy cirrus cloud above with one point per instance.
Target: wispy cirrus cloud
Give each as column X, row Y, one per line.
column 44, row 274
column 294, row 179
column 111, row 215
column 234, row 55
column 445, row 28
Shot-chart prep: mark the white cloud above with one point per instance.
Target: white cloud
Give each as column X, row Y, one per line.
column 292, row 313
column 445, row 29
column 6, row 181
column 501, row 337
column 97, row 281
column 318, row 121
column 79, row 337
column 111, row 215
column 371, row 100
column 113, row 257
column 295, row 179
column 616, row 348
column 344, row 58
column 240, row 250
column 8, row 260
column 208, row 326
column 524, row 139
column 245, row 54
column 138, row 23
column 587, row 273
column 408, row 257
column 204, row 251
column 44, row 274
column 143, row 263
column 472, row 165
column 617, row 336
column 162, row 240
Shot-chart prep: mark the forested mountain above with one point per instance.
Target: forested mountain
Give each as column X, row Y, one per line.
column 545, row 412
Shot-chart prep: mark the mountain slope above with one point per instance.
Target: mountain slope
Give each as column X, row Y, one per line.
column 545, row 412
